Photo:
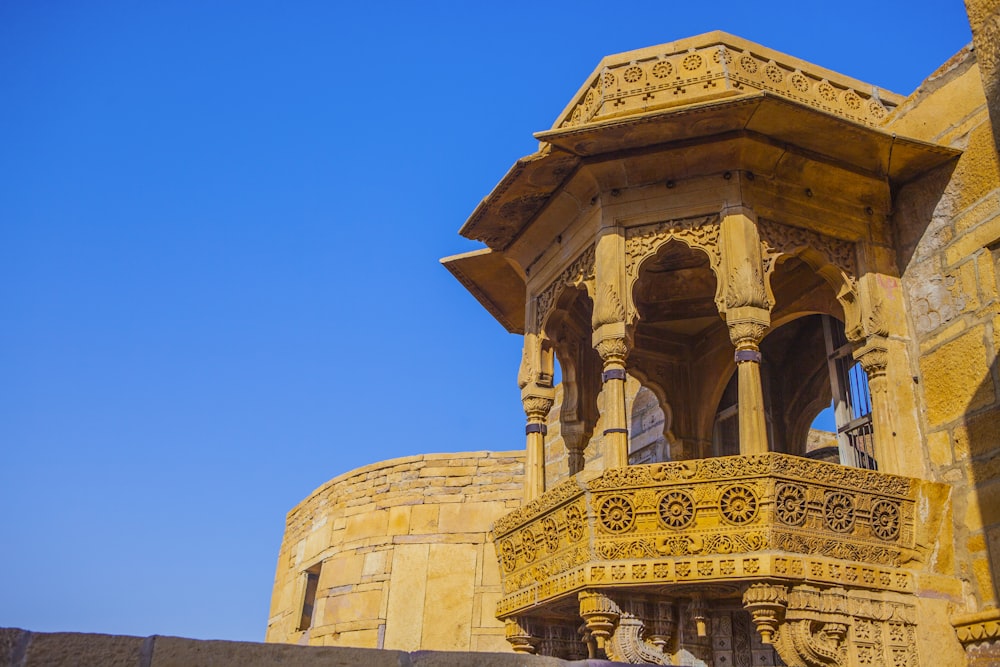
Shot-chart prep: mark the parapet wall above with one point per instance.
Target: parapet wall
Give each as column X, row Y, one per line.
column 20, row 648
column 399, row 555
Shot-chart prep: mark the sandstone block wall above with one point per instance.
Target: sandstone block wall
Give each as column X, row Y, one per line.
column 948, row 228
column 401, row 552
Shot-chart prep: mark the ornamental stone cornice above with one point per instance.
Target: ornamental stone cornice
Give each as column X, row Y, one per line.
column 714, row 65
column 705, row 90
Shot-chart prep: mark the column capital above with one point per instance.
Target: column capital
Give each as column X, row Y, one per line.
column 873, row 355
column 747, row 326
column 537, row 401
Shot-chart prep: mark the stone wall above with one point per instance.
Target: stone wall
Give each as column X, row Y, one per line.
column 19, row 648
column 948, row 236
column 401, row 553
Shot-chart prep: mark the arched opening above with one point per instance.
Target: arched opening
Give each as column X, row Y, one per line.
column 806, row 367
column 648, row 424
column 577, row 371
column 680, row 347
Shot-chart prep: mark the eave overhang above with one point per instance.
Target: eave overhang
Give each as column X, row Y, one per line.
column 495, row 284
column 800, row 128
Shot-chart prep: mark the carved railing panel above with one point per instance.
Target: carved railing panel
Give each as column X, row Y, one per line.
column 736, row 518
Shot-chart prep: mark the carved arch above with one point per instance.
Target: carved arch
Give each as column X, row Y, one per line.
column 579, row 273
column 643, row 242
column 566, row 332
column 834, row 260
column 660, row 394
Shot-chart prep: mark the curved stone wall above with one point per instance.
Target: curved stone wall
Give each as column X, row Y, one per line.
column 399, row 556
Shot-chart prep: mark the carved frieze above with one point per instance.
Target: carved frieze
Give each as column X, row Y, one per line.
column 726, row 518
column 670, row 78
column 778, row 239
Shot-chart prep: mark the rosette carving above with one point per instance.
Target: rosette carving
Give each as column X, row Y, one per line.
column 885, row 518
column 738, row 505
column 574, row 522
column 790, row 504
column 838, row 512
column 616, row 514
column 676, row 509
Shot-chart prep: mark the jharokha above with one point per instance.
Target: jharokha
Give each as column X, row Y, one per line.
column 713, row 243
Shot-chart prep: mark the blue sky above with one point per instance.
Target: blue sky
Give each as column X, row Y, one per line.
column 219, row 231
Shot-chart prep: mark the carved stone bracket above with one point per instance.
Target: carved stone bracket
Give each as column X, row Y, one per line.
column 873, row 355
column 635, row 634
column 807, row 626
column 766, row 604
column 520, row 635
column 601, row 615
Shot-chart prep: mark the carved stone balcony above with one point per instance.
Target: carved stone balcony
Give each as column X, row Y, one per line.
column 770, row 535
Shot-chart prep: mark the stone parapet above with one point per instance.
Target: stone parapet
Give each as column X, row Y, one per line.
column 21, row 648
column 395, row 555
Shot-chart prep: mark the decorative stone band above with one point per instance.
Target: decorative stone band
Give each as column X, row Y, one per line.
column 613, row 374
column 730, row 519
column 977, row 628
column 536, row 428
column 615, row 430
column 716, row 70
column 748, row 355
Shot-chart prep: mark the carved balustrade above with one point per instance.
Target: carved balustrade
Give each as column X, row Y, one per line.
column 733, row 518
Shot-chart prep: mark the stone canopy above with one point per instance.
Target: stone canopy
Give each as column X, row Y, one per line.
column 707, row 104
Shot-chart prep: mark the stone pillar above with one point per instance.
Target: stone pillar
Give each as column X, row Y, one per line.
column 537, row 397
column 748, row 315
column 873, row 356
column 746, row 329
column 536, row 404
column 871, row 340
column 611, row 342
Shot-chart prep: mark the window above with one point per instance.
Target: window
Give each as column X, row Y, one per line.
column 309, row 595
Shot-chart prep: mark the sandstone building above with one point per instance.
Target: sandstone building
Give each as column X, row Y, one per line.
column 713, row 243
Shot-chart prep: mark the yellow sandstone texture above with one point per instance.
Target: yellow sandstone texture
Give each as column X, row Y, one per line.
column 399, row 554
column 714, row 242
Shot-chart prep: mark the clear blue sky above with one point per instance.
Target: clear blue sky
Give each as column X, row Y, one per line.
column 219, row 231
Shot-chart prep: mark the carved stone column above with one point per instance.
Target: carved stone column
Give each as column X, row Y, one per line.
column 748, row 316
column 537, row 402
column 873, row 356
column 537, row 397
column 747, row 326
column 611, row 342
column 614, row 351
column 872, row 352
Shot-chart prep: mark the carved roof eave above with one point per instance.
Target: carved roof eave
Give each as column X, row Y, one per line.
column 529, row 184
column 854, row 145
column 519, row 197
column 494, row 282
